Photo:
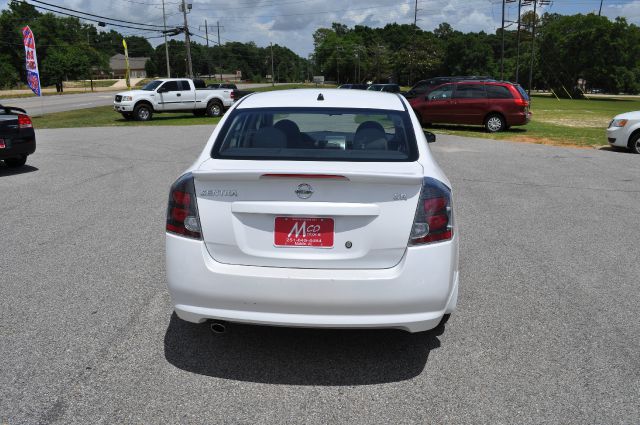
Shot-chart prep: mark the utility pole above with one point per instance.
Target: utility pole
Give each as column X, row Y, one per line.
column 533, row 43
column 206, row 32
column 338, row 65
column 355, row 76
column 518, row 40
column 187, row 40
column 166, row 46
column 533, row 38
column 502, row 54
column 413, row 45
column 220, row 49
column 272, row 73
column 600, row 10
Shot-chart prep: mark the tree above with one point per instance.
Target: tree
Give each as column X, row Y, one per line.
column 589, row 47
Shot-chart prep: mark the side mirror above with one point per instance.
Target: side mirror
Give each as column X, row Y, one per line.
column 431, row 138
column 162, row 90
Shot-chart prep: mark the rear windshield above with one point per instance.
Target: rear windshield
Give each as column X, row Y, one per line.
column 317, row 134
column 523, row 93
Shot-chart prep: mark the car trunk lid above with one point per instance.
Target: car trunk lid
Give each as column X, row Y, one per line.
column 307, row 214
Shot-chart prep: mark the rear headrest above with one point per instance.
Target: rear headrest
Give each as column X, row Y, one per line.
column 269, row 137
column 370, row 135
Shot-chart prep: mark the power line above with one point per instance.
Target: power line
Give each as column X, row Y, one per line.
column 97, row 16
column 93, row 20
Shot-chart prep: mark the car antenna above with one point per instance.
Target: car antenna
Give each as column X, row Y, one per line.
column 320, row 97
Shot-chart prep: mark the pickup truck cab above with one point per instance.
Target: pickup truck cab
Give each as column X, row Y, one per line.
column 173, row 95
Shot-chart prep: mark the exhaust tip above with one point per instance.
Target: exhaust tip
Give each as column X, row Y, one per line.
column 218, row 327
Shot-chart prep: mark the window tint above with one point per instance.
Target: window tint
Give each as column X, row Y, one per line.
column 470, row 91
column 523, row 93
column 443, row 92
column 184, row 85
column 152, row 85
column 170, row 86
column 498, row 92
column 317, row 134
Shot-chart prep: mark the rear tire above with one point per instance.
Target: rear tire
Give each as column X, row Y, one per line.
column 215, row 109
column 16, row 162
column 634, row 143
column 142, row 112
column 495, row 123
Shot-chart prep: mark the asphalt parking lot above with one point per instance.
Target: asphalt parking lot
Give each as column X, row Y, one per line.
column 547, row 329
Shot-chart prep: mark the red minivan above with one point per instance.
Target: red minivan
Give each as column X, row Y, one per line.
column 496, row 105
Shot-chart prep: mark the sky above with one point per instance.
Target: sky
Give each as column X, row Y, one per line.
column 291, row 23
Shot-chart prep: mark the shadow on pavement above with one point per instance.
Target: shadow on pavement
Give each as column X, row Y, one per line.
column 615, row 149
column 6, row 171
column 297, row 356
column 473, row 129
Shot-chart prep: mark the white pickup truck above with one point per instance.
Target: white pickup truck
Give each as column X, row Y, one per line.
column 173, row 95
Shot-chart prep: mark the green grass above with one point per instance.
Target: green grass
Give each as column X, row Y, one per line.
column 105, row 116
column 557, row 122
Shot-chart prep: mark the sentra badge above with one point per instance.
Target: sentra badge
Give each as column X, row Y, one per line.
column 219, row 193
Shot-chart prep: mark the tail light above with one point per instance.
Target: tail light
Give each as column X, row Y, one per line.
column 434, row 216
column 24, row 121
column 233, row 95
column 522, row 102
column 182, row 212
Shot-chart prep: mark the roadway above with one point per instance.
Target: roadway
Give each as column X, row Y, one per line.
column 546, row 331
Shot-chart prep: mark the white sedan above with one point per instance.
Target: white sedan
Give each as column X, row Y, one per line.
column 314, row 208
column 624, row 131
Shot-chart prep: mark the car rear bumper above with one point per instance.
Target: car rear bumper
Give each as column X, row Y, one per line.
column 16, row 147
column 414, row 295
column 520, row 118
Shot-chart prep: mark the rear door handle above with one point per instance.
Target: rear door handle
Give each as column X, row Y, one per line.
column 179, row 94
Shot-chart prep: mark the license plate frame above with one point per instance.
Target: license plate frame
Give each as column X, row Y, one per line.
column 303, row 232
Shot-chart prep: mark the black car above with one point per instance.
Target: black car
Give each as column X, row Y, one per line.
column 17, row 138
column 389, row 88
column 354, row 86
column 424, row 87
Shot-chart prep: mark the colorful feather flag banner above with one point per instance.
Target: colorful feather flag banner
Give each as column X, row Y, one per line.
column 33, row 76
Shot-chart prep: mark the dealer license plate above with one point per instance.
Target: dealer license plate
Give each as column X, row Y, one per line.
column 303, row 231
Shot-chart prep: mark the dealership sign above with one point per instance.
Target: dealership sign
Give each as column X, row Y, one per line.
column 33, row 76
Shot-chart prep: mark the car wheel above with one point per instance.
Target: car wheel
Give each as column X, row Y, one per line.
column 142, row 112
column 214, row 109
column 16, row 162
column 494, row 123
column 634, row 143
